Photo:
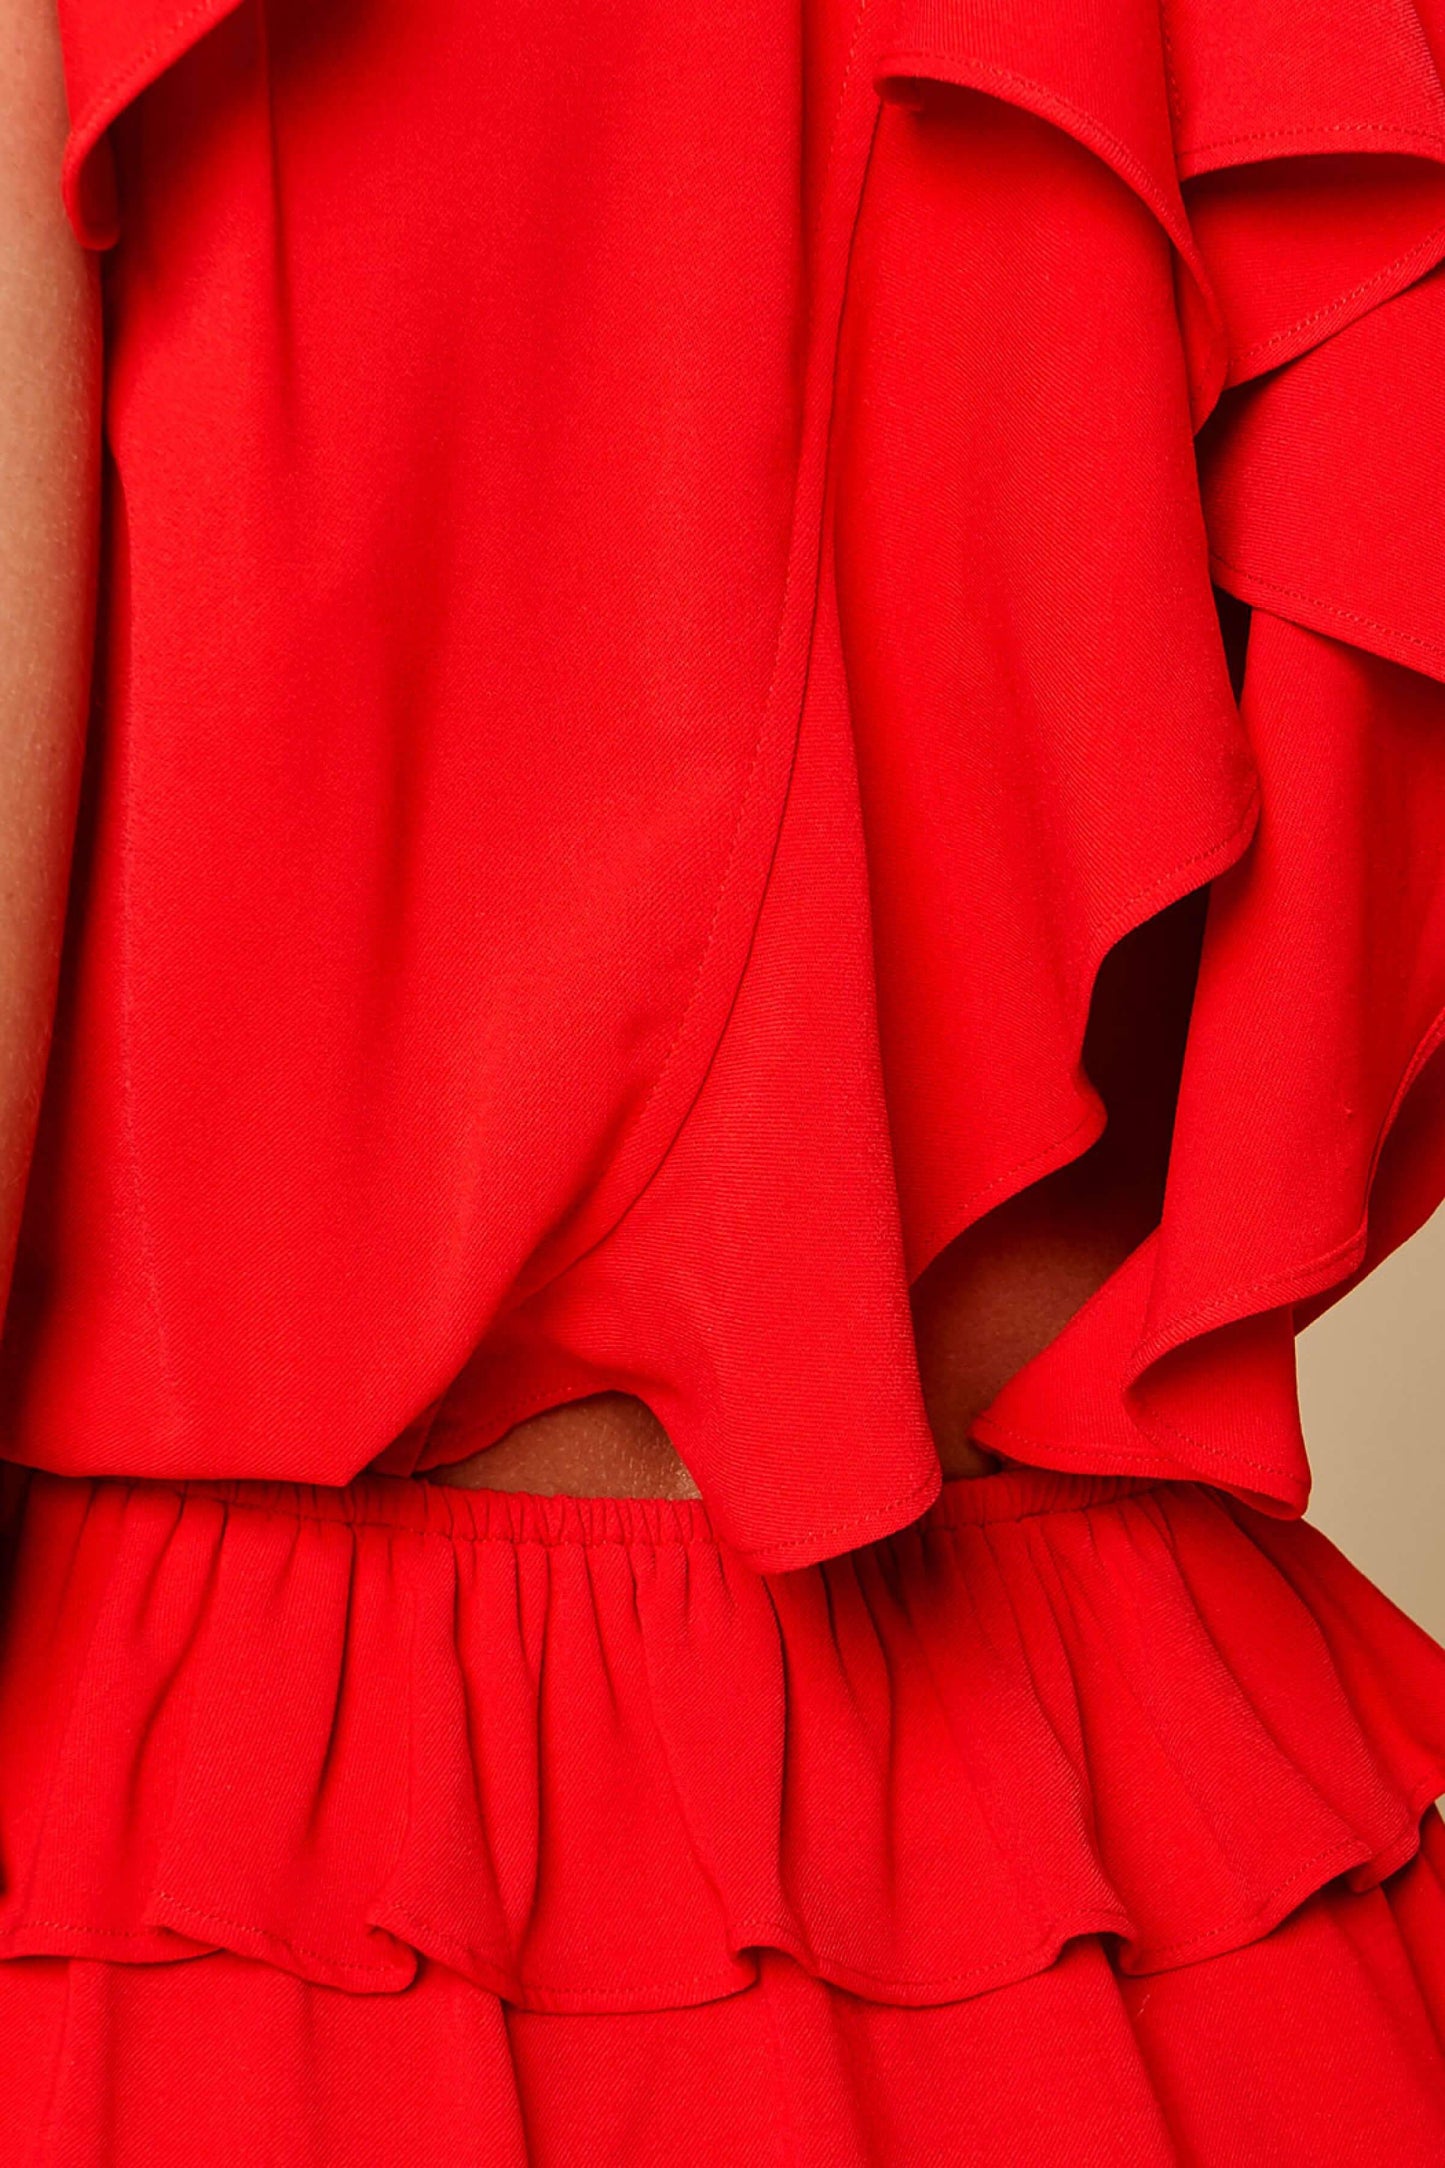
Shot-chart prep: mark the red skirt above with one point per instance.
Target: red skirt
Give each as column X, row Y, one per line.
column 1088, row 1820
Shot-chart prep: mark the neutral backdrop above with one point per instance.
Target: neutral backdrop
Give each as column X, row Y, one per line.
column 1372, row 1385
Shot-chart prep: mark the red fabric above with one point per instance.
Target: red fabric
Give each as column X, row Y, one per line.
column 658, row 622
column 505, row 1828
column 224, row 2059
column 658, row 626
column 583, row 1753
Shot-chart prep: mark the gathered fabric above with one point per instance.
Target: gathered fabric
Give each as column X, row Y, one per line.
column 1012, row 1824
column 579, row 1752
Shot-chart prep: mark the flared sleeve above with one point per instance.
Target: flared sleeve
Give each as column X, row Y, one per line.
column 1042, row 638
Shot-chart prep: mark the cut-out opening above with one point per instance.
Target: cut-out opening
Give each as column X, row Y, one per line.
column 603, row 1445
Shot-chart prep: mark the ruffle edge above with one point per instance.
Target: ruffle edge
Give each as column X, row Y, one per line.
column 112, row 54
column 578, row 1752
column 1292, row 152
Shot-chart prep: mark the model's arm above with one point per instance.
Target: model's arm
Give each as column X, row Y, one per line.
column 49, row 431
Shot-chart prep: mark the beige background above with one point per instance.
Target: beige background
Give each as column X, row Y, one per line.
column 1372, row 1385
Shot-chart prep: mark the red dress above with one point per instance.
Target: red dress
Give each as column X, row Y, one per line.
column 658, row 621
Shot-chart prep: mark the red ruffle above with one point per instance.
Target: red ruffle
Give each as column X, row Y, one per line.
column 578, row 1753
column 1039, row 684
column 113, row 53
column 1318, row 2043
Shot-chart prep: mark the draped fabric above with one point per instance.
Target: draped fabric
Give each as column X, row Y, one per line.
column 612, row 788
column 661, row 615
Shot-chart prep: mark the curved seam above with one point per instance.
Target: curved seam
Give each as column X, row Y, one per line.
column 1308, row 133
column 280, row 1942
column 930, row 1482
column 746, row 795
column 993, row 1426
column 459, row 1947
column 784, row 1933
column 1090, row 131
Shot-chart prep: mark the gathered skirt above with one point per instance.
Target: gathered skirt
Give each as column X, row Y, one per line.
column 1087, row 1820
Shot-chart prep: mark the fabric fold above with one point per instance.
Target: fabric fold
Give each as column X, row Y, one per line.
column 112, row 56
column 1105, row 83
column 1307, row 1141
column 1310, row 138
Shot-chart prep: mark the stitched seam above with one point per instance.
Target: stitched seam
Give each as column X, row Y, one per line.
column 993, row 1426
column 853, row 1520
column 84, row 1927
column 1328, row 609
column 461, row 1948
column 1344, row 1850
column 1046, row 1943
column 769, row 1933
column 775, row 1931
column 1051, row 102
column 772, row 1931
column 1171, row 79
column 1304, row 135
column 280, row 1942
column 1431, row 243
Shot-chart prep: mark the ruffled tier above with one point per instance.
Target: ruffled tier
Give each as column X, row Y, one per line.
column 1320, row 2043
column 582, row 1755
column 1155, row 294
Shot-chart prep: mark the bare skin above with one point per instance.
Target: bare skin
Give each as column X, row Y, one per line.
column 49, row 465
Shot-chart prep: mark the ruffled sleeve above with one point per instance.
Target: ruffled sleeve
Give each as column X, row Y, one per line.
column 1291, row 156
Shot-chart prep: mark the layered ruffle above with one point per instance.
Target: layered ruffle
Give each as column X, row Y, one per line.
column 1320, row 2044
column 582, row 1755
column 1144, row 303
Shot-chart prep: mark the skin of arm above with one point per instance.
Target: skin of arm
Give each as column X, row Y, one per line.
column 49, row 493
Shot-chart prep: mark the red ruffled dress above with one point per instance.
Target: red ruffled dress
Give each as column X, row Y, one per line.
column 658, row 621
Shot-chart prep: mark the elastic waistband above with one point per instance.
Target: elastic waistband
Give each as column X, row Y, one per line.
column 525, row 1517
